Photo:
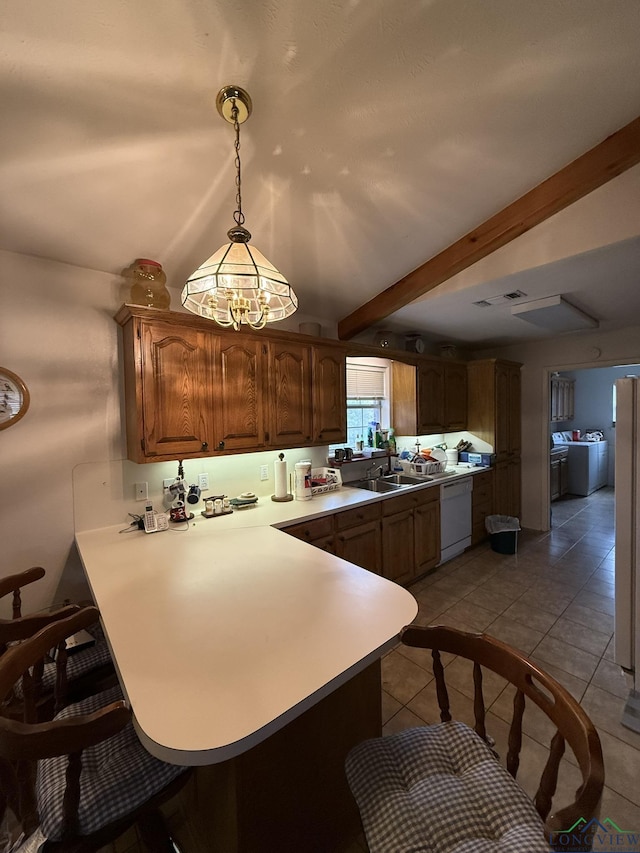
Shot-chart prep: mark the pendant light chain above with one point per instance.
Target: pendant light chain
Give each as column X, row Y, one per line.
column 238, row 215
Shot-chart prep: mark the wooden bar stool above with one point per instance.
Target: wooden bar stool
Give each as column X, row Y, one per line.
column 441, row 788
column 81, row 779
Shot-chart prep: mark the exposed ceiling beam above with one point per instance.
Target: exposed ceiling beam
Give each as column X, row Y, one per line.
column 610, row 158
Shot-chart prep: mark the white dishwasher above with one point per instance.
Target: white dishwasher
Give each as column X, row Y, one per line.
column 455, row 517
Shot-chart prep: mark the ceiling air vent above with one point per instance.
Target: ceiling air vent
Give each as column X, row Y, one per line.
column 497, row 300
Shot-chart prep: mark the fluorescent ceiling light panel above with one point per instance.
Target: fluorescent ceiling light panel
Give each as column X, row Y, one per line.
column 554, row 314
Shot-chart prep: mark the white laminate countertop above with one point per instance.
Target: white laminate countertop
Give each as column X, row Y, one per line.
column 225, row 631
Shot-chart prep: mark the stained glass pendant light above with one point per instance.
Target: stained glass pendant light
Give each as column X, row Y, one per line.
column 237, row 285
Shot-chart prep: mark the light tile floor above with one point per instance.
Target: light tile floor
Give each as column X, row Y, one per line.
column 553, row 600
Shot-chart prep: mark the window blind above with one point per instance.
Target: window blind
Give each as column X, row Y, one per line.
column 365, row 383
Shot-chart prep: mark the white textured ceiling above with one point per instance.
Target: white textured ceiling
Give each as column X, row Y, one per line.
column 382, row 131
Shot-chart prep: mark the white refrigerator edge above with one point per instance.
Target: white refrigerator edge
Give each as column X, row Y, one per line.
column 627, row 555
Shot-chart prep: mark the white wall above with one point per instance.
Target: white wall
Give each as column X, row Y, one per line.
column 58, row 334
column 563, row 353
column 593, row 404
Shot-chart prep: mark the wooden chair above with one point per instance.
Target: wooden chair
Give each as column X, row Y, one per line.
column 83, row 778
column 88, row 670
column 440, row 788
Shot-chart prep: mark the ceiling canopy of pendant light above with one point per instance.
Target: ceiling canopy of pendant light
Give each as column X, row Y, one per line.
column 237, row 285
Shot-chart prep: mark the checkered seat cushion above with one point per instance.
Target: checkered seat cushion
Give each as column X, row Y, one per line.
column 440, row 789
column 118, row 775
column 78, row 664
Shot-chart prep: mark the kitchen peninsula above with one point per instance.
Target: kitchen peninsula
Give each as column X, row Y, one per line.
column 253, row 655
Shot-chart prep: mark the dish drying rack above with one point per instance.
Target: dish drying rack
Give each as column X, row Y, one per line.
column 423, row 467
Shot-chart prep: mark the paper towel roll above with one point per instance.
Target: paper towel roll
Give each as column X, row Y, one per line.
column 280, row 478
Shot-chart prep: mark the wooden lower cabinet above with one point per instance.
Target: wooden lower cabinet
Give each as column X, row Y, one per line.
column 398, row 538
column 481, row 505
column 318, row 532
column 289, row 793
column 361, row 546
column 507, row 488
column 427, row 531
column 398, row 552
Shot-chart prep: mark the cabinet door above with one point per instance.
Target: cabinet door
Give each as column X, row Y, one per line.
column 178, row 371
column 555, row 400
column 240, row 394
column 430, row 397
column 455, row 396
column 290, row 398
column 513, row 407
column 554, row 479
column 514, row 487
column 398, row 557
column 507, row 488
column 502, row 410
column 427, row 535
column 329, row 396
column 361, row 546
column 564, row 476
column 481, row 505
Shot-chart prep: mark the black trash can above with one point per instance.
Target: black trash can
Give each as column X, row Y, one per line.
column 503, row 533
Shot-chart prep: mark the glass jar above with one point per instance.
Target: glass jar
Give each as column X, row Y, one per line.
column 148, row 284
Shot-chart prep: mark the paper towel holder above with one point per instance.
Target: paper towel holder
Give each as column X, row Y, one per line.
column 288, row 496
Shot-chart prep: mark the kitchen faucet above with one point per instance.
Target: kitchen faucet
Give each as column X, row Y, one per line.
column 369, row 472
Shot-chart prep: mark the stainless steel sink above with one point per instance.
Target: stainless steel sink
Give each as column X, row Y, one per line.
column 378, row 485
column 405, row 479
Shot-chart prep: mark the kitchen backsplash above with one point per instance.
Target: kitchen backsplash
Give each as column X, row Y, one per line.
column 104, row 492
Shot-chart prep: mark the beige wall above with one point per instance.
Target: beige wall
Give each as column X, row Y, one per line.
column 58, row 334
column 564, row 352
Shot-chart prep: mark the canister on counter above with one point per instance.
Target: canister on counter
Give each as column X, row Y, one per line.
column 303, row 481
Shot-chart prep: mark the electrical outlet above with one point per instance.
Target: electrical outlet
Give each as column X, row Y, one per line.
column 264, row 472
column 142, row 491
column 203, row 481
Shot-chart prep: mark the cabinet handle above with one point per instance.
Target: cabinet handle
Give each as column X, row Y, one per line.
column 221, row 445
column 205, row 445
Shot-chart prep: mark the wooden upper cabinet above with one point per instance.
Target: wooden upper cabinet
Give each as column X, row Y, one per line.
column 430, row 397
column 562, row 398
column 494, row 405
column 290, row 401
column 194, row 389
column 455, row 397
column 169, row 381
column 329, row 395
column 239, row 396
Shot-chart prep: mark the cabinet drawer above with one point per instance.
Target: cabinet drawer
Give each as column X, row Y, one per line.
column 311, row 530
column 409, row 500
column 352, row 517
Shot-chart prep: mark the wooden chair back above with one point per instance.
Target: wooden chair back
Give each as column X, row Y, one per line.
column 15, row 583
column 23, row 742
column 20, row 627
column 572, row 724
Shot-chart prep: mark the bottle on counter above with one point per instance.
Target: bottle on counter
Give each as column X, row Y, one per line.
column 370, row 437
column 359, row 444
